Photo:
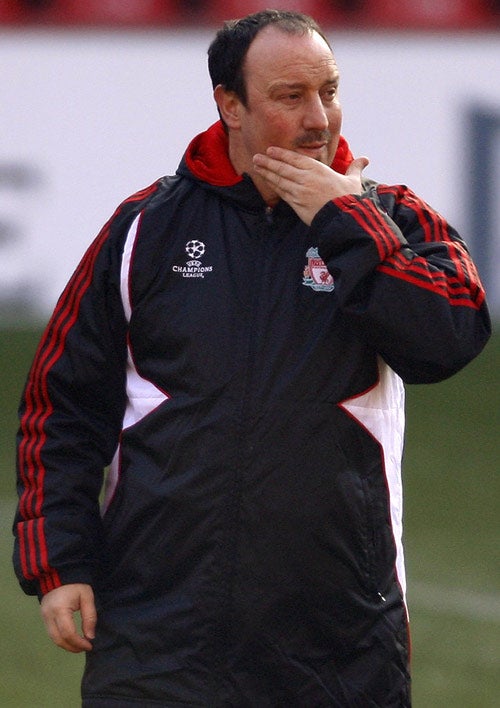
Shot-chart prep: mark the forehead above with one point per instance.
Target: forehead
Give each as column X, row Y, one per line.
column 276, row 55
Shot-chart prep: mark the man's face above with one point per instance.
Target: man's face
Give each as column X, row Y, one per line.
column 292, row 99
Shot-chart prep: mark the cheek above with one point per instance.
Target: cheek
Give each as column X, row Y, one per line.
column 281, row 129
column 335, row 118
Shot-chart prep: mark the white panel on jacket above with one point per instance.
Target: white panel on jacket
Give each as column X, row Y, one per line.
column 142, row 395
column 381, row 412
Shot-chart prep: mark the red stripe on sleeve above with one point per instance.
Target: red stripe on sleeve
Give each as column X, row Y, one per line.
column 366, row 214
column 38, row 408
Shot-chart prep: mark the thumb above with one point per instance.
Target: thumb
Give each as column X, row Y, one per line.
column 357, row 166
column 88, row 612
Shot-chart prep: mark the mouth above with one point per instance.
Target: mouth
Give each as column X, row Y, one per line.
column 312, row 146
column 312, row 149
column 313, row 141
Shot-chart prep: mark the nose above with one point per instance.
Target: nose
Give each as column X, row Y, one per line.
column 315, row 116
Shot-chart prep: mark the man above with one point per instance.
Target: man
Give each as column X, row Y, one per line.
column 233, row 346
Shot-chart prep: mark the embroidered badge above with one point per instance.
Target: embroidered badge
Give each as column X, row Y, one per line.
column 193, row 268
column 316, row 275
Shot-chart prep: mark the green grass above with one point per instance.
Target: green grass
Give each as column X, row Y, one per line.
column 452, row 541
column 35, row 673
column 452, row 535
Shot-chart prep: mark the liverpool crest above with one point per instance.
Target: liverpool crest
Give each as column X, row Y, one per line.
column 316, row 275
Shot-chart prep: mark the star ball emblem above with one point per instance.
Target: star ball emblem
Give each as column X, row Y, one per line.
column 195, row 249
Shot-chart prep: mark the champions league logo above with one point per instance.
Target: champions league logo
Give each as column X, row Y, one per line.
column 195, row 249
column 316, row 275
column 194, row 267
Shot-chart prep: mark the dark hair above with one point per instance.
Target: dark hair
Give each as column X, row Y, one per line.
column 226, row 54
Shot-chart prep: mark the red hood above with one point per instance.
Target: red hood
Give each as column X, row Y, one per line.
column 207, row 157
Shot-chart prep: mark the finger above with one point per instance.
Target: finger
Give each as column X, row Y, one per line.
column 61, row 629
column 283, row 176
column 290, row 157
column 89, row 614
column 271, row 164
column 357, row 166
column 278, row 159
column 274, row 176
column 67, row 635
column 58, row 608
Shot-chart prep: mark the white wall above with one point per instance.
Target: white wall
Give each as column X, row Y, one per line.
column 98, row 115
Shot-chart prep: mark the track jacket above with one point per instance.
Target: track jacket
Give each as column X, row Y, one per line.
column 241, row 377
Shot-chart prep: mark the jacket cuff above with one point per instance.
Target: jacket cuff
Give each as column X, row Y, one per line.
column 43, row 585
column 355, row 219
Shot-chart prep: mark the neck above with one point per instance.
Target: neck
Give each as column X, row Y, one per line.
column 243, row 165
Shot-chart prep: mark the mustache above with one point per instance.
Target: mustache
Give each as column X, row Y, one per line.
column 312, row 137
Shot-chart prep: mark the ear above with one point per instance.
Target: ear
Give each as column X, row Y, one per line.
column 229, row 106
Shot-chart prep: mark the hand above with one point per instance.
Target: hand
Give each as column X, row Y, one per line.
column 305, row 183
column 58, row 607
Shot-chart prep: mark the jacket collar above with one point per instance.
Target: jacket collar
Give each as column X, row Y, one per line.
column 207, row 158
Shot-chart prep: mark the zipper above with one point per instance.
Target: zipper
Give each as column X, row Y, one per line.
column 246, row 449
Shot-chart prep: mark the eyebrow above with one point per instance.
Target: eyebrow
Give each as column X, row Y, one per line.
column 286, row 86
column 293, row 85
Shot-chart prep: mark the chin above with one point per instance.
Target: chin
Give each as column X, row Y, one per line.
column 318, row 155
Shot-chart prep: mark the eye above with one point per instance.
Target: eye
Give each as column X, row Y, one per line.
column 330, row 93
column 292, row 96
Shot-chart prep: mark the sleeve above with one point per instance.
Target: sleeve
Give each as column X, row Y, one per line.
column 71, row 415
column 404, row 280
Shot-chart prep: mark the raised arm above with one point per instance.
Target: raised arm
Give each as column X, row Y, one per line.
column 405, row 280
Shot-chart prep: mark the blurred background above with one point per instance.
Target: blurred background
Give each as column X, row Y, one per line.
column 101, row 97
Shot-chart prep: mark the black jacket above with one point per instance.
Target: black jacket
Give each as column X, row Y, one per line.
column 248, row 401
